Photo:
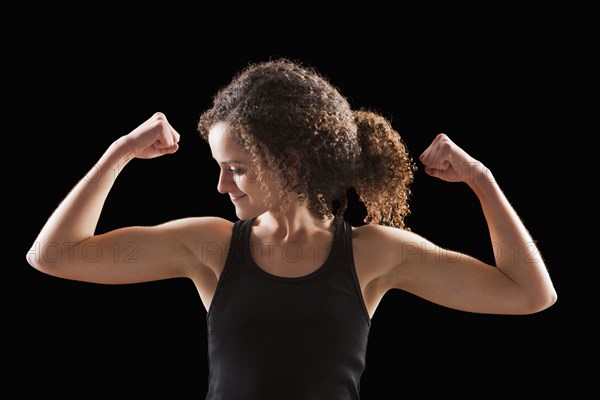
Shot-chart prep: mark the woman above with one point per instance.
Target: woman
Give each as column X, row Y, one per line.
column 290, row 288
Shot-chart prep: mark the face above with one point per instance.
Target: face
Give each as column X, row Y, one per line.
column 238, row 177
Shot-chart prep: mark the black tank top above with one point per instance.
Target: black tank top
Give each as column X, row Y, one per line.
column 272, row 337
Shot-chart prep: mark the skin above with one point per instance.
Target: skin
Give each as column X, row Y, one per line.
column 294, row 243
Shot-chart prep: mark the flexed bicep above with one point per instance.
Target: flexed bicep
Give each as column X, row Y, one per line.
column 74, row 221
column 454, row 279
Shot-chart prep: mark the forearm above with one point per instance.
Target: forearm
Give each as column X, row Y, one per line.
column 76, row 217
column 515, row 251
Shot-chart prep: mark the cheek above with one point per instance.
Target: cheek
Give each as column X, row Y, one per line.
column 251, row 184
column 251, row 175
column 247, row 183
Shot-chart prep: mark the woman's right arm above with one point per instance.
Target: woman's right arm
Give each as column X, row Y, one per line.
column 68, row 247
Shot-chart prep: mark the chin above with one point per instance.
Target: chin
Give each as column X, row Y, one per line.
column 245, row 213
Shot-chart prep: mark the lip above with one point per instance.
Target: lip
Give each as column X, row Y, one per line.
column 236, row 198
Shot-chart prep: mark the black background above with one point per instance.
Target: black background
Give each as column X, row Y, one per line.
column 491, row 86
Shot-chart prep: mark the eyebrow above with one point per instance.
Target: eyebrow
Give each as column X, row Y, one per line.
column 233, row 162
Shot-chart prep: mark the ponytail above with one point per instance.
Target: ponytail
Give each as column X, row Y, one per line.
column 388, row 170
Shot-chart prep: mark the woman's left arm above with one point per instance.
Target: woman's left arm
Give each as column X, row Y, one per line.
column 516, row 253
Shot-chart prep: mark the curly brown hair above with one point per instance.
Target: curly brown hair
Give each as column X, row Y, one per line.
column 294, row 121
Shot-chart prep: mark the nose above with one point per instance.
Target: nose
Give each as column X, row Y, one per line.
column 226, row 182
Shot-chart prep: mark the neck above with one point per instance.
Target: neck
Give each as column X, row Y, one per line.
column 297, row 222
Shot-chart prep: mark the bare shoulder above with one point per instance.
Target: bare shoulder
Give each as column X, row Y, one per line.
column 206, row 239
column 381, row 237
column 377, row 249
column 200, row 231
column 200, row 223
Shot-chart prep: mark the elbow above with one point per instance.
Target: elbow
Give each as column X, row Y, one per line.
column 34, row 260
column 549, row 299
column 43, row 264
column 543, row 300
column 547, row 296
column 32, row 257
